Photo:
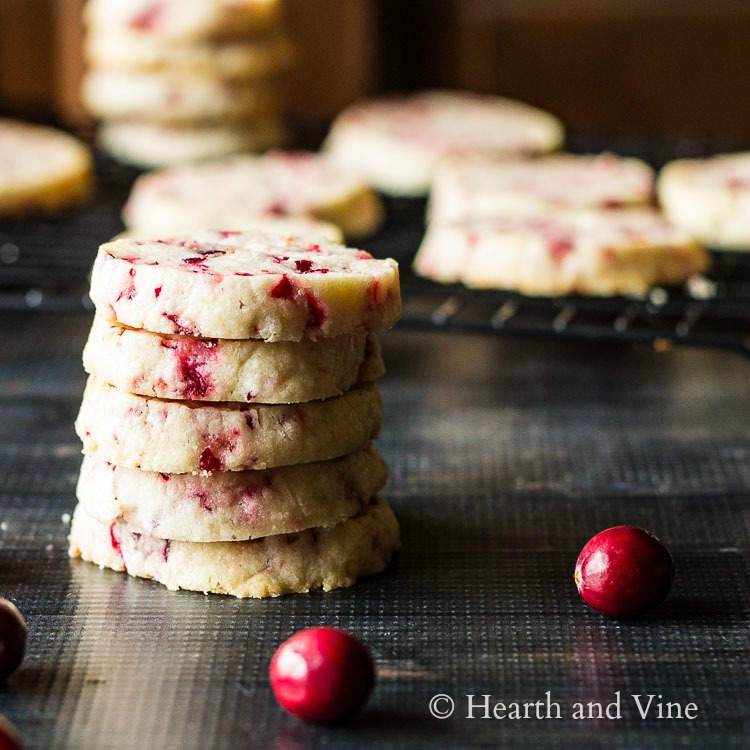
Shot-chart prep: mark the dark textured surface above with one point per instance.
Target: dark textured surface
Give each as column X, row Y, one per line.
column 505, row 456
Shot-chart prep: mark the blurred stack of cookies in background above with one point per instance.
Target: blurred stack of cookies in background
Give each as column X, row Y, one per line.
column 175, row 81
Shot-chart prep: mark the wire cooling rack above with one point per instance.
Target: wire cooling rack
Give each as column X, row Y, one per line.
column 44, row 266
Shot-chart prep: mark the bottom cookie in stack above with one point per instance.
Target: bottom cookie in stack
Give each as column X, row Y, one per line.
column 329, row 557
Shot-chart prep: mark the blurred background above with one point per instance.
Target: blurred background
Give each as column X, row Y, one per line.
column 603, row 66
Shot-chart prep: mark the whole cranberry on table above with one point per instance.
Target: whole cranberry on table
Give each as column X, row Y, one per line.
column 624, row 571
column 9, row 737
column 322, row 674
column 13, row 633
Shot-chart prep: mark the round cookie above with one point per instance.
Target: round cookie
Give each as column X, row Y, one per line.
column 481, row 187
column 709, row 198
column 238, row 285
column 184, row 19
column 224, row 193
column 42, row 170
column 136, row 50
column 186, row 367
column 155, row 145
column 312, row 230
column 586, row 252
column 396, row 144
column 189, row 436
column 175, row 97
column 231, row 505
column 327, row 558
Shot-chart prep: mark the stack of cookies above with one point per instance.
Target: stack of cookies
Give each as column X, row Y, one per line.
column 228, row 419
column 183, row 80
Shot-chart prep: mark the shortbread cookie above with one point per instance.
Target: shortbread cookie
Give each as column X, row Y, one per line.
column 710, row 198
column 481, row 187
column 598, row 253
column 42, row 170
column 231, row 505
column 326, row 558
column 238, row 285
column 184, row 19
column 132, row 49
column 155, row 145
column 224, row 193
column 175, row 97
column 396, row 144
column 190, row 436
column 186, row 367
column 302, row 227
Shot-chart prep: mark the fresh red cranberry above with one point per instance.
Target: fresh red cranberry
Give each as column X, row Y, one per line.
column 322, row 675
column 13, row 632
column 9, row 737
column 624, row 571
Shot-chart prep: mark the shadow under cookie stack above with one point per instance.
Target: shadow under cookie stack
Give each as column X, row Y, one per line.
column 175, row 81
column 228, row 419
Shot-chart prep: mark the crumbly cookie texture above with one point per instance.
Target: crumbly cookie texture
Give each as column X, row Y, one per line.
column 223, row 193
column 42, row 169
column 189, row 436
column 326, row 558
column 482, row 187
column 155, row 145
column 231, row 505
column 184, row 19
column 186, row 367
column 397, row 143
column 127, row 48
column 175, row 97
column 584, row 252
column 239, row 285
column 709, row 198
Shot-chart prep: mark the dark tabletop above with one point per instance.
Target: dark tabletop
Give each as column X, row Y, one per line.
column 506, row 454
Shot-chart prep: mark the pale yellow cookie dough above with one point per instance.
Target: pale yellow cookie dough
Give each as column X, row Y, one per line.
column 42, row 169
column 238, row 285
column 326, row 558
column 709, row 198
column 223, row 194
column 189, row 436
column 231, row 505
column 186, row 367
column 586, row 252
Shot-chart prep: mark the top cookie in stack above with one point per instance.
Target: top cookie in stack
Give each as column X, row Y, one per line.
column 229, row 414
column 184, row 80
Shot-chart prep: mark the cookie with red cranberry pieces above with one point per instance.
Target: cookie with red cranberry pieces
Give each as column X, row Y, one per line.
column 709, row 198
column 187, row 367
column 224, row 193
column 327, row 558
column 396, row 143
column 155, row 145
column 239, row 285
column 598, row 253
column 174, row 97
column 197, row 437
column 231, row 505
column 181, row 20
column 132, row 49
column 43, row 170
column 481, row 187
